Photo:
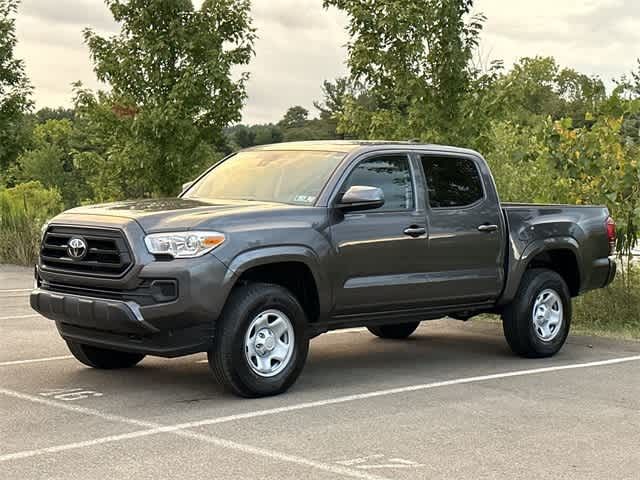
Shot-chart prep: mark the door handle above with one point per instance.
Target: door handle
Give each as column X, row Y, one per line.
column 415, row 231
column 487, row 228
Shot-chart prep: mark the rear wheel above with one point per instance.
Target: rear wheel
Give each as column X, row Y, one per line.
column 103, row 358
column 261, row 341
column 536, row 323
column 394, row 331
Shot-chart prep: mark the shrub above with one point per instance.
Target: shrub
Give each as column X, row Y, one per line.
column 615, row 309
column 23, row 210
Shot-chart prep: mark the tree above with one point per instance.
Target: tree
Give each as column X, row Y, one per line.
column 624, row 102
column 295, row 117
column 52, row 161
column 172, row 91
column 265, row 134
column 413, row 59
column 538, row 87
column 333, row 104
column 47, row 113
column 334, row 97
column 15, row 90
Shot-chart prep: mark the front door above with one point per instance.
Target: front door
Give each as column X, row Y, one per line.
column 380, row 253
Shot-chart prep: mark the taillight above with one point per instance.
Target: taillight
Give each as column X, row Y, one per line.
column 611, row 234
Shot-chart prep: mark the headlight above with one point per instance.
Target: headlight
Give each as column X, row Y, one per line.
column 183, row 244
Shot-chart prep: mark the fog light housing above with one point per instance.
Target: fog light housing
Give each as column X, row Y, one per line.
column 164, row 290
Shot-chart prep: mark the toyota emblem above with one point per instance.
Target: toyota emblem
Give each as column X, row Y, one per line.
column 77, row 248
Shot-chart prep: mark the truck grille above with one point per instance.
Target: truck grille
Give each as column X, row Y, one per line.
column 107, row 253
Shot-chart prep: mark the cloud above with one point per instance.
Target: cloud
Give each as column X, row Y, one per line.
column 592, row 36
column 63, row 13
column 300, row 44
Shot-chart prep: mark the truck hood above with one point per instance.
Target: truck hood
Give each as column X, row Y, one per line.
column 165, row 214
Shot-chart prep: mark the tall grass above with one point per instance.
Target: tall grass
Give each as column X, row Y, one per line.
column 23, row 211
column 612, row 310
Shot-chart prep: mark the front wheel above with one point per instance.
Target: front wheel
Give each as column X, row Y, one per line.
column 395, row 331
column 261, row 341
column 536, row 323
column 103, row 358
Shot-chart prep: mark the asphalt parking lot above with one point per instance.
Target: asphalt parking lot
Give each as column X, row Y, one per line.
column 450, row 402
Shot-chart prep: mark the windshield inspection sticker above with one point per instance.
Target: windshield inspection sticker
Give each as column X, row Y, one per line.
column 305, row 198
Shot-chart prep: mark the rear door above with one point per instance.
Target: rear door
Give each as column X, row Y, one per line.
column 466, row 230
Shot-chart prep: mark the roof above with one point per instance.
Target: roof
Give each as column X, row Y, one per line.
column 347, row 146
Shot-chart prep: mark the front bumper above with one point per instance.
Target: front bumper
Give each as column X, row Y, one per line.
column 182, row 326
column 93, row 313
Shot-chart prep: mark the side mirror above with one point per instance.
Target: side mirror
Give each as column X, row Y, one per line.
column 186, row 185
column 361, row 198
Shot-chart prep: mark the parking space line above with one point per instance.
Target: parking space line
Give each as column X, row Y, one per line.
column 409, row 388
column 3, row 290
column 77, row 409
column 76, row 445
column 11, row 317
column 183, row 429
column 35, row 360
column 154, row 429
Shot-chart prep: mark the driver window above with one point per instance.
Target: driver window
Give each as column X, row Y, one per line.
column 392, row 174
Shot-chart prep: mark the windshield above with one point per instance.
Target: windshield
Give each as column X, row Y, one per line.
column 271, row 176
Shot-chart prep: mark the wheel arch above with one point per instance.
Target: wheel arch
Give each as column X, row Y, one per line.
column 559, row 254
column 293, row 267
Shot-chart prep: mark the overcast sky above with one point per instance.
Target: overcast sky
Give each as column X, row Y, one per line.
column 301, row 44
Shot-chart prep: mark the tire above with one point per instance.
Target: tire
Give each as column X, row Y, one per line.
column 238, row 359
column 103, row 358
column 537, row 340
column 395, row 331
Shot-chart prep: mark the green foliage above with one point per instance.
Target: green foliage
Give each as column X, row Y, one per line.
column 294, row 126
column 242, row 136
column 15, row 90
column 61, row 113
column 23, row 211
column 615, row 309
column 172, row 90
column 295, row 117
column 537, row 87
column 51, row 161
column 333, row 104
column 599, row 169
column 413, row 59
column 554, row 162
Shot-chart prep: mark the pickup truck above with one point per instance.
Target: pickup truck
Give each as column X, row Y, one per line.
column 277, row 244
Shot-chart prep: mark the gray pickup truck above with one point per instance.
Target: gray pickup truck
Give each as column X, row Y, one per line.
column 280, row 243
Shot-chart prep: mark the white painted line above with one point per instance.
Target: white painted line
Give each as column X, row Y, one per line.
column 2, row 290
column 35, row 360
column 76, row 445
column 11, row 317
column 181, row 429
column 410, row 388
column 283, row 457
column 154, row 428
column 76, row 409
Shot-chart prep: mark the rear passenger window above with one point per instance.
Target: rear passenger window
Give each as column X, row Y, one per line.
column 392, row 174
column 451, row 182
